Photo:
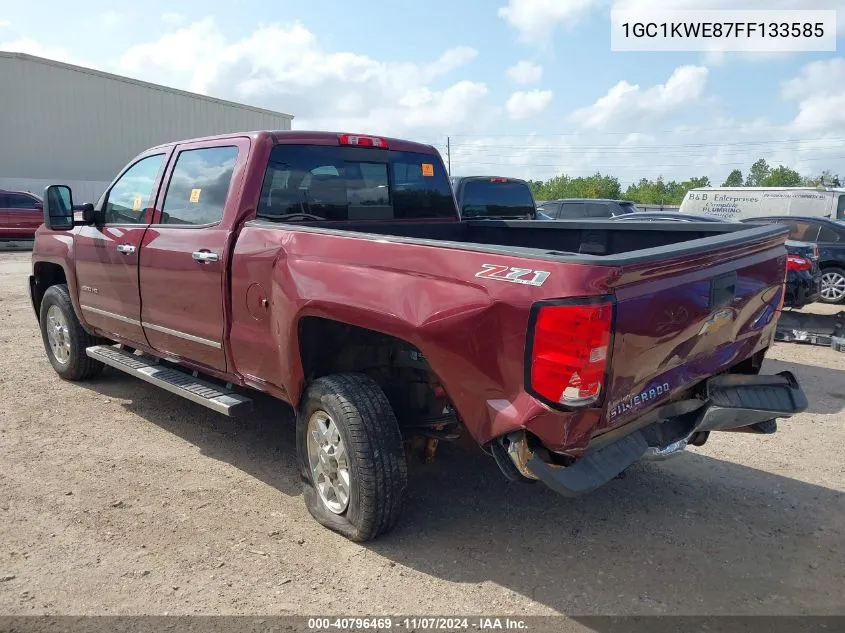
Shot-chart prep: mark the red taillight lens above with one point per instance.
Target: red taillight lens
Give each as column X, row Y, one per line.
column 363, row 141
column 569, row 352
column 498, row 179
column 796, row 262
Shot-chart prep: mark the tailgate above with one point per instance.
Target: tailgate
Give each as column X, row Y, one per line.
column 682, row 320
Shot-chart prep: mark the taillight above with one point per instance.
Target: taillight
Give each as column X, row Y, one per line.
column 796, row 262
column 363, row 141
column 498, row 179
column 568, row 351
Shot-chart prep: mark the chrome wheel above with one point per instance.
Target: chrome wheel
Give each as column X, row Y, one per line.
column 58, row 334
column 833, row 286
column 328, row 461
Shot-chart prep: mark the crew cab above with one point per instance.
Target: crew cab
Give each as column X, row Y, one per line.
column 332, row 271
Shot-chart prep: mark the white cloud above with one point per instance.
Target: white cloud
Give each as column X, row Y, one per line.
column 627, row 102
column 525, row 72
column 819, row 89
column 535, row 20
column 524, row 105
column 4, row 24
column 172, row 18
column 284, row 67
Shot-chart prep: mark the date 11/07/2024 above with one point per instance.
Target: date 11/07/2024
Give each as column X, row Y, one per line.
column 417, row 624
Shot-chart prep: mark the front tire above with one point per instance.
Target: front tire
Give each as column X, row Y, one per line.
column 352, row 462
column 64, row 338
column 833, row 285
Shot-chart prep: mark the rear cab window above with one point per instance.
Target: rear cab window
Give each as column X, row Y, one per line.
column 340, row 183
column 496, row 197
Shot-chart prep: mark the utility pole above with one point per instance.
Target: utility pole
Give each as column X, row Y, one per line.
column 449, row 155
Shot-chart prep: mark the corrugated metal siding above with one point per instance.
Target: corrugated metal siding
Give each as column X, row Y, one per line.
column 65, row 124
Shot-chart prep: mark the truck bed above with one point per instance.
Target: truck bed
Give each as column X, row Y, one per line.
column 594, row 241
column 690, row 301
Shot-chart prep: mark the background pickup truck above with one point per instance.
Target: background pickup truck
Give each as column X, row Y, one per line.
column 332, row 272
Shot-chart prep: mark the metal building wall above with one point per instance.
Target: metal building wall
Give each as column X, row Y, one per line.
column 63, row 123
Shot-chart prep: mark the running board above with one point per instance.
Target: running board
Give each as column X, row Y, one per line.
column 146, row 368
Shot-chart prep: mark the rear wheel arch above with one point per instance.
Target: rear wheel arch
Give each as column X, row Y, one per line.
column 328, row 347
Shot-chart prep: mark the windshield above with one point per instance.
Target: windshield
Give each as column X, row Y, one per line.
column 487, row 199
column 324, row 182
column 629, row 207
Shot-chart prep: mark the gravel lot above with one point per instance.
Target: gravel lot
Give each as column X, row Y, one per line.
column 118, row 498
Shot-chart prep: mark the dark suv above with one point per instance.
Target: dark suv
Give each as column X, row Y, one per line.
column 573, row 208
column 829, row 235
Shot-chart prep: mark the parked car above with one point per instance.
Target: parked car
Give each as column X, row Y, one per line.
column 572, row 208
column 803, row 277
column 332, row 272
column 745, row 203
column 829, row 235
column 493, row 197
column 21, row 214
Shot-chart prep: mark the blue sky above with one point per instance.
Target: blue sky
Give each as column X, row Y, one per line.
column 432, row 69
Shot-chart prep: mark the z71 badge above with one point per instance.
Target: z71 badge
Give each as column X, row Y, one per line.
column 525, row 276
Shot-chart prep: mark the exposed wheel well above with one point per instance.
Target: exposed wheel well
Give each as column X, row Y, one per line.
column 399, row 368
column 46, row 274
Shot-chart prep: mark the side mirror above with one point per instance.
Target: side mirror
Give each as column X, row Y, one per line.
column 58, row 208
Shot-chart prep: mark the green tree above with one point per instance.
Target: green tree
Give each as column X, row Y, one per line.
column 734, row 179
column 782, row 176
column 758, row 173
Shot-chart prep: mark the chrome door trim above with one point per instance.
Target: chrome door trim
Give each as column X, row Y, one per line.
column 153, row 326
column 111, row 315
column 182, row 335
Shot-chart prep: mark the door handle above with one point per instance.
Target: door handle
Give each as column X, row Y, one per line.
column 126, row 249
column 204, row 256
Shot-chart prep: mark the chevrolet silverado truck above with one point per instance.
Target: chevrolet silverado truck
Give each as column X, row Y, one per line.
column 334, row 272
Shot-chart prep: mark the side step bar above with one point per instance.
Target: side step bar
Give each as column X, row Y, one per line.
column 202, row 392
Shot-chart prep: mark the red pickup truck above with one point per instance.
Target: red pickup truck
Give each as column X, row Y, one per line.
column 334, row 272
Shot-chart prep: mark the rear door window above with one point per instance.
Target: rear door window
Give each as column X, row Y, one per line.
column 485, row 198
column 570, row 210
column 353, row 183
column 18, row 201
column 199, row 186
column 802, row 231
column 598, row 210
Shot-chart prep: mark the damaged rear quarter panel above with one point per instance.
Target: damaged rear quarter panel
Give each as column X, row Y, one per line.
column 471, row 329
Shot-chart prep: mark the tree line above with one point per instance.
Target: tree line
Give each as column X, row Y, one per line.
column 671, row 192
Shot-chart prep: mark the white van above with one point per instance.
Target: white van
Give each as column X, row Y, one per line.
column 740, row 203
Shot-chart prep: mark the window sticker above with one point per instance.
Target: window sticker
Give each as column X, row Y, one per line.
column 427, row 169
column 195, row 195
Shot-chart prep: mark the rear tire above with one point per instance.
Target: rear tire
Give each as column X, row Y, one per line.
column 352, row 461
column 64, row 338
column 833, row 285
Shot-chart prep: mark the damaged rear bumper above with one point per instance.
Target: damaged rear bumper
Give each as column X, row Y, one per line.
column 730, row 402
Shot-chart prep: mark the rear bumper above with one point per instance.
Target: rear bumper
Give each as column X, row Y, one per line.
column 802, row 289
column 730, row 402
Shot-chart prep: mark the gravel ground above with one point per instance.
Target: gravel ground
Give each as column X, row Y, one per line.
column 118, row 498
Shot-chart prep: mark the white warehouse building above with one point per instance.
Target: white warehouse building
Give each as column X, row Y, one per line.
column 70, row 125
